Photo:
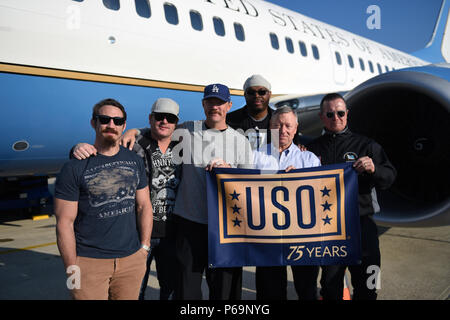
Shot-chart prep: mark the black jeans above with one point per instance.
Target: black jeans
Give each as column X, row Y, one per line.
column 271, row 282
column 332, row 280
column 192, row 256
column 163, row 250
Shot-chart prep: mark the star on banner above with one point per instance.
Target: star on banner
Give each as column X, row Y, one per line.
column 235, row 195
column 236, row 209
column 327, row 220
column 325, row 191
column 237, row 222
column 326, row 206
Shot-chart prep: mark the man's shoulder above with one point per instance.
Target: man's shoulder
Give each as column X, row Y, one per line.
column 191, row 125
column 237, row 112
column 237, row 116
column 128, row 154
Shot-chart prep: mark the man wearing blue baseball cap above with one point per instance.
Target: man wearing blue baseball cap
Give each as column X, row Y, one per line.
column 191, row 214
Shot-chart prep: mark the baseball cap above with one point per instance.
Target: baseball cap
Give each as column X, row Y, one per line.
column 217, row 90
column 166, row 105
column 256, row 80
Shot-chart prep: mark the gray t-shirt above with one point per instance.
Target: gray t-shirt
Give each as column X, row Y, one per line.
column 199, row 146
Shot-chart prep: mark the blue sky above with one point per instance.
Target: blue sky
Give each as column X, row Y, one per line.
column 406, row 25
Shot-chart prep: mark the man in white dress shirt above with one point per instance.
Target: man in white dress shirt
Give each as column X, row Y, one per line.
column 283, row 154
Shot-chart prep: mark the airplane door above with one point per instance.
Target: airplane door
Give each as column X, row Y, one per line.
column 339, row 64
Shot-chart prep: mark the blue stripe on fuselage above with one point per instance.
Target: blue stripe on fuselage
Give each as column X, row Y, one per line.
column 53, row 114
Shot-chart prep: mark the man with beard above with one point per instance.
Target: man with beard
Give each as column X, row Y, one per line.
column 206, row 144
column 104, row 214
column 155, row 147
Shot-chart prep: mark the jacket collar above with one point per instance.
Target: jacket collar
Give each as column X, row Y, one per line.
column 331, row 133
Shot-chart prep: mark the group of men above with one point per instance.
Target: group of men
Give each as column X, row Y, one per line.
column 101, row 232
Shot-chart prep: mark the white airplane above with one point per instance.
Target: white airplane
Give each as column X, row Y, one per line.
column 59, row 57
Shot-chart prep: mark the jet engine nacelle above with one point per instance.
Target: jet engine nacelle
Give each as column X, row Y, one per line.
column 408, row 113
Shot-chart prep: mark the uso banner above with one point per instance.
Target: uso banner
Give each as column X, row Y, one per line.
column 302, row 217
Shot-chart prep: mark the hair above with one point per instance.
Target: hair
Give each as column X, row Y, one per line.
column 330, row 97
column 107, row 102
column 283, row 109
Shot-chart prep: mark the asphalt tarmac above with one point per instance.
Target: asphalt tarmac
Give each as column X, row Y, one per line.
column 415, row 264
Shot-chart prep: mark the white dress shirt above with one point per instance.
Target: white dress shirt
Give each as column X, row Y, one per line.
column 269, row 158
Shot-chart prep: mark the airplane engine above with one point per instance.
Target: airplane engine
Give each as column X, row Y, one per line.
column 408, row 113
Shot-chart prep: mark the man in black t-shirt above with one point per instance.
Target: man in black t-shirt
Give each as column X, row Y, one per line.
column 104, row 214
column 155, row 147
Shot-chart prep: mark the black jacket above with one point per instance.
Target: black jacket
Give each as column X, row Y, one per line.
column 348, row 147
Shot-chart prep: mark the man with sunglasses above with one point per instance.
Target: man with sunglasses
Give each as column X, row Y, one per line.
column 256, row 113
column 155, row 146
column 104, row 214
column 375, row 171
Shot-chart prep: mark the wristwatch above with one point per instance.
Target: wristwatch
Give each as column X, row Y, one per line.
column 145, row 247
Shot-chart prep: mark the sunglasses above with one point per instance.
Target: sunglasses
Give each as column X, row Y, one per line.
column 171, row 118
column 339, row 113
column 118, row 121
column 261, row 92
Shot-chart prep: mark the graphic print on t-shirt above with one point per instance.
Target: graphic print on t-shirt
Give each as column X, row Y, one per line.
column 165, row 180
column 112, row 188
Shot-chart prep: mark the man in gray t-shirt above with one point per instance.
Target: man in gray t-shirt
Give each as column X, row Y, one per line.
column 205, row 145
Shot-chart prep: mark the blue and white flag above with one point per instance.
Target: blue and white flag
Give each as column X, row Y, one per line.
column 302, row 217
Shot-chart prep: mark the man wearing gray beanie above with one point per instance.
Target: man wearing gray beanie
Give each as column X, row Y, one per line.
column 256, row 113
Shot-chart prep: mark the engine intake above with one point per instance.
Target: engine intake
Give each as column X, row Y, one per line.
column 408, row 113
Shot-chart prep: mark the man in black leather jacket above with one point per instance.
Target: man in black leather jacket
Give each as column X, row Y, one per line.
column 339, row 144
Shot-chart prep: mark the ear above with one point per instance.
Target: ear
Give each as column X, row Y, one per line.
column 93, row 123
column 229, row 106
column 321, row 115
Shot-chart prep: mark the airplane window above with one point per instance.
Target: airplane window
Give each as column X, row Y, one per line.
column 338, row 58
column 143, row 8
column 387, row 69
column 112, row 4
column 361, row 64
column 370, row 66
column 289, row 45
column 78, row 0
column 239, row 31
column 303, row 49
column 380, row 71
column 315, row 51
column 350, row 61
column 196, row 20
column 218, row 26
column 274, row 41
column 171, row 13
